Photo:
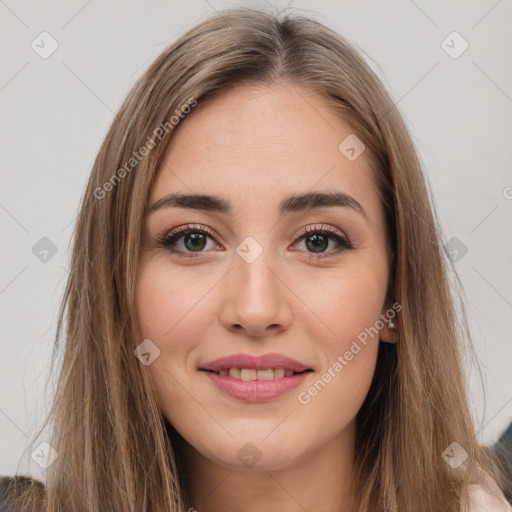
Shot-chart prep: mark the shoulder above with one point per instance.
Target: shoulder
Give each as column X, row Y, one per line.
column 482, row 500
column 8, row 483
column 486, row 496
column 4, row 486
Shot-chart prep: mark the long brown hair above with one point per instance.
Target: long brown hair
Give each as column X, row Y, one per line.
column 114, row 451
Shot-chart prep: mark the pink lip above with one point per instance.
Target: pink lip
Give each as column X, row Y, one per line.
column 262, row 362
column 255, row 390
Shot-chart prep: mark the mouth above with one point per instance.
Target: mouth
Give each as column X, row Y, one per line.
column 255, row 378
column 247, row 374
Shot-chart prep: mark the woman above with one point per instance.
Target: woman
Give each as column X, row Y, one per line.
column 258, row 313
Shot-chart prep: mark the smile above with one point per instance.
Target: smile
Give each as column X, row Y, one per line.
column 253, row 374
column 255, row 378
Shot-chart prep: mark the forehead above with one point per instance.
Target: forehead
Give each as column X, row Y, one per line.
column 260, row 143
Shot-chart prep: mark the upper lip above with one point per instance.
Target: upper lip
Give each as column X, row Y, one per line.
column 262, row 362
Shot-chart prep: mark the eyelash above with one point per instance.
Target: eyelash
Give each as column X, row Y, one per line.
column 168, row 239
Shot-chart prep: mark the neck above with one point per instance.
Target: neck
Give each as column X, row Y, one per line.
column 317, row 482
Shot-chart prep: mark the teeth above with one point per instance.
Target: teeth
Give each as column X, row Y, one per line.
column 234, row 373
column 248, row 374
column 252, row 374
column 265, row 374
column 279, row 373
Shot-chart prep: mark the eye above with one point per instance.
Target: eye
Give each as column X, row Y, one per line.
column 194, row 239
column 317, row 240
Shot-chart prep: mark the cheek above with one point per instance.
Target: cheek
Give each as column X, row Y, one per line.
column 169, row 303
column 349, row 308
column 171, row 314
column 345, row 307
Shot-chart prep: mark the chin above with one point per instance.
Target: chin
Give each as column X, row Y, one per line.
column 252, row 458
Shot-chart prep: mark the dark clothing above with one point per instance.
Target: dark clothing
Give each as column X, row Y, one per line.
column 503, row 448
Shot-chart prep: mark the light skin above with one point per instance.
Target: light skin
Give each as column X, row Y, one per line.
column 254, row 146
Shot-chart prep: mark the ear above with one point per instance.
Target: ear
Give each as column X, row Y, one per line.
column 388, row 333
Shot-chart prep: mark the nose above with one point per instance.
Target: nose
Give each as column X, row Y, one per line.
column 255, row 299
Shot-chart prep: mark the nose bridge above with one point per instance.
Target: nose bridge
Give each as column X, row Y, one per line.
column 256, row 299
column 252, row 269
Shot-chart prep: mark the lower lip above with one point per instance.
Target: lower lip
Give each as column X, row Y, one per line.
column 256, row 390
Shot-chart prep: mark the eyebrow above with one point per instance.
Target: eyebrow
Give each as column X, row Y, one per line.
column 292, row 203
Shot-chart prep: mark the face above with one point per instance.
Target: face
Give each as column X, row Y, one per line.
column 281, row 285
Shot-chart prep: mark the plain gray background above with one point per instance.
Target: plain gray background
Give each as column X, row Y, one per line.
column 56, row 110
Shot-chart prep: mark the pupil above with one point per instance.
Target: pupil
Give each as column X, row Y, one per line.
column 318, row 241
column 195, row 237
